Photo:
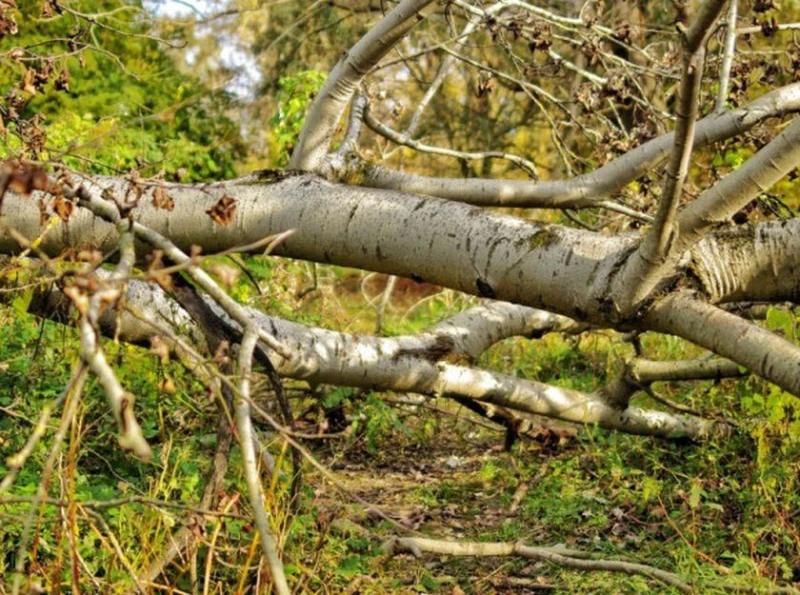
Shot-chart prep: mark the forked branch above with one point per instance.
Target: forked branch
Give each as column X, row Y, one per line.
column 645, row 270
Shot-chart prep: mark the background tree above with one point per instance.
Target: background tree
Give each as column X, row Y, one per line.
column 639, row 236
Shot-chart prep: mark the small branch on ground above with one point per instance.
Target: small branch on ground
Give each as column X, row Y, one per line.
column 555, row 555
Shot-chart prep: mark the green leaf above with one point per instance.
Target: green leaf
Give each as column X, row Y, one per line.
column 780, row 320
column 350, row 567
column 695, row 493
column 430, row 583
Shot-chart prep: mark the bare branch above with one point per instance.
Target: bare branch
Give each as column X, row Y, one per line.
column 475, row 330
column 713, row 207
column 405, row 139
column 555, row 555
column 567, row 405
column 719, row 203
column 727, row 55
column 444, row 68
column 417, row 364
column 768, row 355
column 647, row 271
column 244, row 425
column 585, row 190
column 561, row 270
column 90, row 307
column 102, row 208
column 649, row 371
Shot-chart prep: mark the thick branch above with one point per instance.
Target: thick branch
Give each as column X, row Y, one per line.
column 720, row 202
column 475, row 330
column 418, row 364
column 557, row 269
column 330, row 104
column 715, row 206
column 768, row 355
column 648, row 371
column 645, row 270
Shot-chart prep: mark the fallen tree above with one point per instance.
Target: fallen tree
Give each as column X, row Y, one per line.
column 681, row 274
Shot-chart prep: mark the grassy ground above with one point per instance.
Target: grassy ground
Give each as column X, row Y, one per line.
column 719, row 510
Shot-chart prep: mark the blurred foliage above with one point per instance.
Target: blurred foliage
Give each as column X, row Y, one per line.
column 92, row 85
column 294, row 98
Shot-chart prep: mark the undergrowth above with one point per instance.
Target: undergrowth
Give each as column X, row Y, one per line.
column 727, row 510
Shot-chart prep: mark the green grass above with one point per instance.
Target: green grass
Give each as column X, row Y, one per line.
column 720, row 509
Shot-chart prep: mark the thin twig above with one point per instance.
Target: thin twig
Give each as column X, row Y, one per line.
column 67, row 416
column 244, row 425
column 727, row 56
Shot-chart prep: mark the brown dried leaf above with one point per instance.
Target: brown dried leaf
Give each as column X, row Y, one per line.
column 162, row 200
column 159, row 347
column 155, row 273
column 62, row 82
column 50, row 9
column 27, row 81
column 8, row 26
column 224, row 211
column 24, row 179
column 486, row 84
column 765, row 5
column 63, row 208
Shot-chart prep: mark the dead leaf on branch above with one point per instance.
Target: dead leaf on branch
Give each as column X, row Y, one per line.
column 62, row 82
column 486, row 84
column 765, row 5
column 224, row 211
column 63, row 208
column 23, row 179
column 162, row 200
column 50, row 8
column 155, row 273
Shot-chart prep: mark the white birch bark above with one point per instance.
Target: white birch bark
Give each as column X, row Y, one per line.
column 564, row 271
column 418, row 364
column 558, row 269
